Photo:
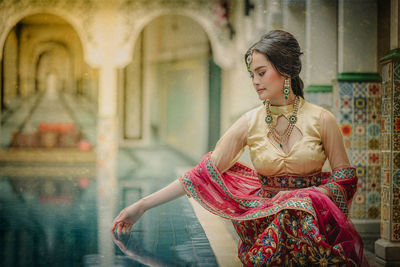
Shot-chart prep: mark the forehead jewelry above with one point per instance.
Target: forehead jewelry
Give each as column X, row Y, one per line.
column 249, row 58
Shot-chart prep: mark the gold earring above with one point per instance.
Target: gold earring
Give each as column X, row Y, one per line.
column 286, row 88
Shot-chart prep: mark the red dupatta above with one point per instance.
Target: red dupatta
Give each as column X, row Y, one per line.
column 240, row 194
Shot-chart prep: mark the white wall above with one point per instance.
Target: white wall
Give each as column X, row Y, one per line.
column 175, row 73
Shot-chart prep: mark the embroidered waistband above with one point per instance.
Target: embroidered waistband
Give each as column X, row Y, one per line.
column 289, row 181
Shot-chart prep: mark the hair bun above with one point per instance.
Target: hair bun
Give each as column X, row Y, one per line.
column 283, row 51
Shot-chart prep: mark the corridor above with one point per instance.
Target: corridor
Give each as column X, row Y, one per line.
column 48, row 195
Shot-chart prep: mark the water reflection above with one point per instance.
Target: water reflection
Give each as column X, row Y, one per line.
column 47, row 222
column 49, row 212
column 130, row 246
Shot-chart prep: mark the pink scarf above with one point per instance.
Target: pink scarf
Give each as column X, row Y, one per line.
column 237, row 195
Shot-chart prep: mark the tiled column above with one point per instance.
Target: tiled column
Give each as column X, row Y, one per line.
column 357, row 97
column 387, row 249
column 357, row 110
column 321, row 49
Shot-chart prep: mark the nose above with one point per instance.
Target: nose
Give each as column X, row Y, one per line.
column 255, row 81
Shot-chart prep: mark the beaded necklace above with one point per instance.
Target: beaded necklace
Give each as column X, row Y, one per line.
column 284, row 137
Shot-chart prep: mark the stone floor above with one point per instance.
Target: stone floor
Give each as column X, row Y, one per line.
column 49, row 218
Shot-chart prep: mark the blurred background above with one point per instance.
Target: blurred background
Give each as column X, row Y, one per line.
column 105, row 101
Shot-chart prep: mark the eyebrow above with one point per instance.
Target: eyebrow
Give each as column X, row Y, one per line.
column 259, row 68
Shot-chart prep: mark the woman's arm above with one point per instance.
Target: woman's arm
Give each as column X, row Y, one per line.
column 231, row 145
column 332, row 141
column 342, row 184
column 227, row 151
column 129, row 216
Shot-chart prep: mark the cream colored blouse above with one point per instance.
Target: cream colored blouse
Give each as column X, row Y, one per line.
column 316, row 136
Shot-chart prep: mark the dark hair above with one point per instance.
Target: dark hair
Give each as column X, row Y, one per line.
column 283, row 51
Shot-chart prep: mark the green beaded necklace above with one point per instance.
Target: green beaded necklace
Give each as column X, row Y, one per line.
column 284, row 137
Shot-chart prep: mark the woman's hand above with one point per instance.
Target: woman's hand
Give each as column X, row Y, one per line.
column 128, row 217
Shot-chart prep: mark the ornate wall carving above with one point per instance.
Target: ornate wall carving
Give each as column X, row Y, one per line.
column 130, row 18
column 138, row 13
column 74, row 12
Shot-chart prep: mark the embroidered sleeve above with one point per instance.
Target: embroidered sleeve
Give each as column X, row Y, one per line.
column 342, row 184
column 231, row 145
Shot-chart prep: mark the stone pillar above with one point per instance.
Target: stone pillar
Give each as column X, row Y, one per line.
column 387, row 248
column 320, row 50
column 1, row 92
column 260, row 10
column 107, row 137
column 357, row 36
column 274, row 15
column 107, row 149
column 357, row 108
column 294, row 21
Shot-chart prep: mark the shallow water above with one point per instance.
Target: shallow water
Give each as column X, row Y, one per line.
column 52, row 221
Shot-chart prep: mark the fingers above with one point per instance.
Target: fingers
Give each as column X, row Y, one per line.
column 121, row 224
column 114, row 225
column 122, row 227
column 116, row 222
column 119, row 228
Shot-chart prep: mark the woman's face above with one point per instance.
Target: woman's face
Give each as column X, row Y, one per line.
column 266, row 80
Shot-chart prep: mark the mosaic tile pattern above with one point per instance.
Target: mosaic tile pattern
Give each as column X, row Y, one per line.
column 393, row 129
column 385, row 150
column 358, row 109
column 390, row 151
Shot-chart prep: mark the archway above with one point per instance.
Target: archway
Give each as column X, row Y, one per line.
column 167, row 86
column 46, row 60
column 37, row 45
column 42, row 69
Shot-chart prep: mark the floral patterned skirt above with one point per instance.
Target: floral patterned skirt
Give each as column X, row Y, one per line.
column 291, row 238
column 290, row 224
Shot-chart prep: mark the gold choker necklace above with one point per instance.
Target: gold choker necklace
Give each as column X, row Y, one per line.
column 284, row 137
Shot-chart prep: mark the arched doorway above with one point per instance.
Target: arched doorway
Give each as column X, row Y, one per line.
column 171, row 90
column 46, row 176
column 36, row 46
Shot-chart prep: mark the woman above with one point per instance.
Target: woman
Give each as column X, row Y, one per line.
column 286, row 211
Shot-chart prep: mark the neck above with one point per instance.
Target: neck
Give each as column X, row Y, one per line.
column 282, row 101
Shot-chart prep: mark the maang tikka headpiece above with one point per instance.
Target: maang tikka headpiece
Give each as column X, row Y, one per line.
column 249, row 58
